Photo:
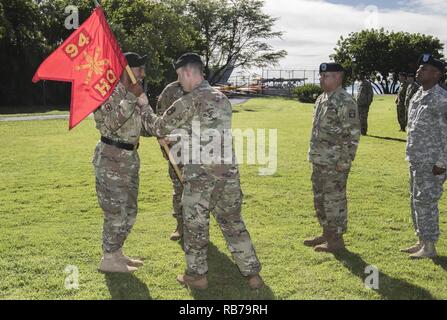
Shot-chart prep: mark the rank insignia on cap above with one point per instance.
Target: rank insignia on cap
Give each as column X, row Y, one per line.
column 352, row 114
column 108, row 107
column 331, row 67
column 427, row 58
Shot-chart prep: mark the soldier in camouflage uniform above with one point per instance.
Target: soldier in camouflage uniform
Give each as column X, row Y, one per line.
column 117, row 164
column 364, row 99
column 170, row 94
column 413, row 87
column 333, row 146
column 427, row 155
column 210, row 186
column 400, row 101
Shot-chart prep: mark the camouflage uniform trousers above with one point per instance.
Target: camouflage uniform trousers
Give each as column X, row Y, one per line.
column 177, row 193
column 363, row 115
column 406, row 115
column 118, row 197
column 425, row 192
column 330, row 201
column 401, row 116
column 224, row 199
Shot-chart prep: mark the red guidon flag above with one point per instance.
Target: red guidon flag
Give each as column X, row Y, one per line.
column 91, row 59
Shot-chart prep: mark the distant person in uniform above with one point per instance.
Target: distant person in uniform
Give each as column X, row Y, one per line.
column 364, row 99
column 443, row 82
column 400, row 101
column 412, row 88
column 333, row 146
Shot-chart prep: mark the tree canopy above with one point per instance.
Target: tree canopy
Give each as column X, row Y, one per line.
column 232, row 34
column 228, row 33
column 381, row 54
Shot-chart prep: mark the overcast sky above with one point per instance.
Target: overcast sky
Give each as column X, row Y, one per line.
column 312, row 27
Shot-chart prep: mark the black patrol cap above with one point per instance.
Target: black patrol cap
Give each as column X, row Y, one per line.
column 403, row 74
column 427, row 58
column 184, row 59
column 411, row 74
column 135, row 60
column 331, row 67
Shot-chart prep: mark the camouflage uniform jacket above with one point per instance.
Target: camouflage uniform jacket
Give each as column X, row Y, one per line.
column 411, row 91
column 118, row 119
column 365, row 94
column 427, row 127
column 401, row 94
column 209, row 108
column 336, row 129
column 170, row 94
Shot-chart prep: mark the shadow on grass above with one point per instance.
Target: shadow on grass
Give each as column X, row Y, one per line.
column 126, row 287
column 226, row 282
column 389, row 288
column 388, row 138
column 441, row 261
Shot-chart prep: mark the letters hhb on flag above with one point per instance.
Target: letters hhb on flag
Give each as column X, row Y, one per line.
column 91, row 59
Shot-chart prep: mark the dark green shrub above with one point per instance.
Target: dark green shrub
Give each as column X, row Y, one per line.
column 307, row 93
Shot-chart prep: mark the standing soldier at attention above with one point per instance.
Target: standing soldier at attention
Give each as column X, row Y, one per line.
column 170, row 94
column 365, row 97
column 427, row 155
column 333, row 146
column 413, row 87
column 117, row 165
column 212, row 183
column 400, row 101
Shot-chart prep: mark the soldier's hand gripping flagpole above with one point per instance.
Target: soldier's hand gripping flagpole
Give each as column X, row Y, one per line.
column 161, row 141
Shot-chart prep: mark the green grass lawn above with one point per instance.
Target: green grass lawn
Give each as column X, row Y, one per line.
column 50, row 218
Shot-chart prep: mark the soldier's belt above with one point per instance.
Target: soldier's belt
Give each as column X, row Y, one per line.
column 121, row 145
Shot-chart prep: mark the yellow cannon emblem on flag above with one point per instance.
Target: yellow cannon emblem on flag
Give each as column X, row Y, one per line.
column 93, row 64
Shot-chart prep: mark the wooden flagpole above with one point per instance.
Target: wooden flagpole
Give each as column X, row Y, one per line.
column 174, row 165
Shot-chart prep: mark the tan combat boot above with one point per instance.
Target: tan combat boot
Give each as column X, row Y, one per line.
column 334, row 242
column 413, row 249
column 129, row 261
column 112, row 262
column 428, row 250
column 317, row 240
column 255, row 282
column 193, row 282
column 178, row 233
